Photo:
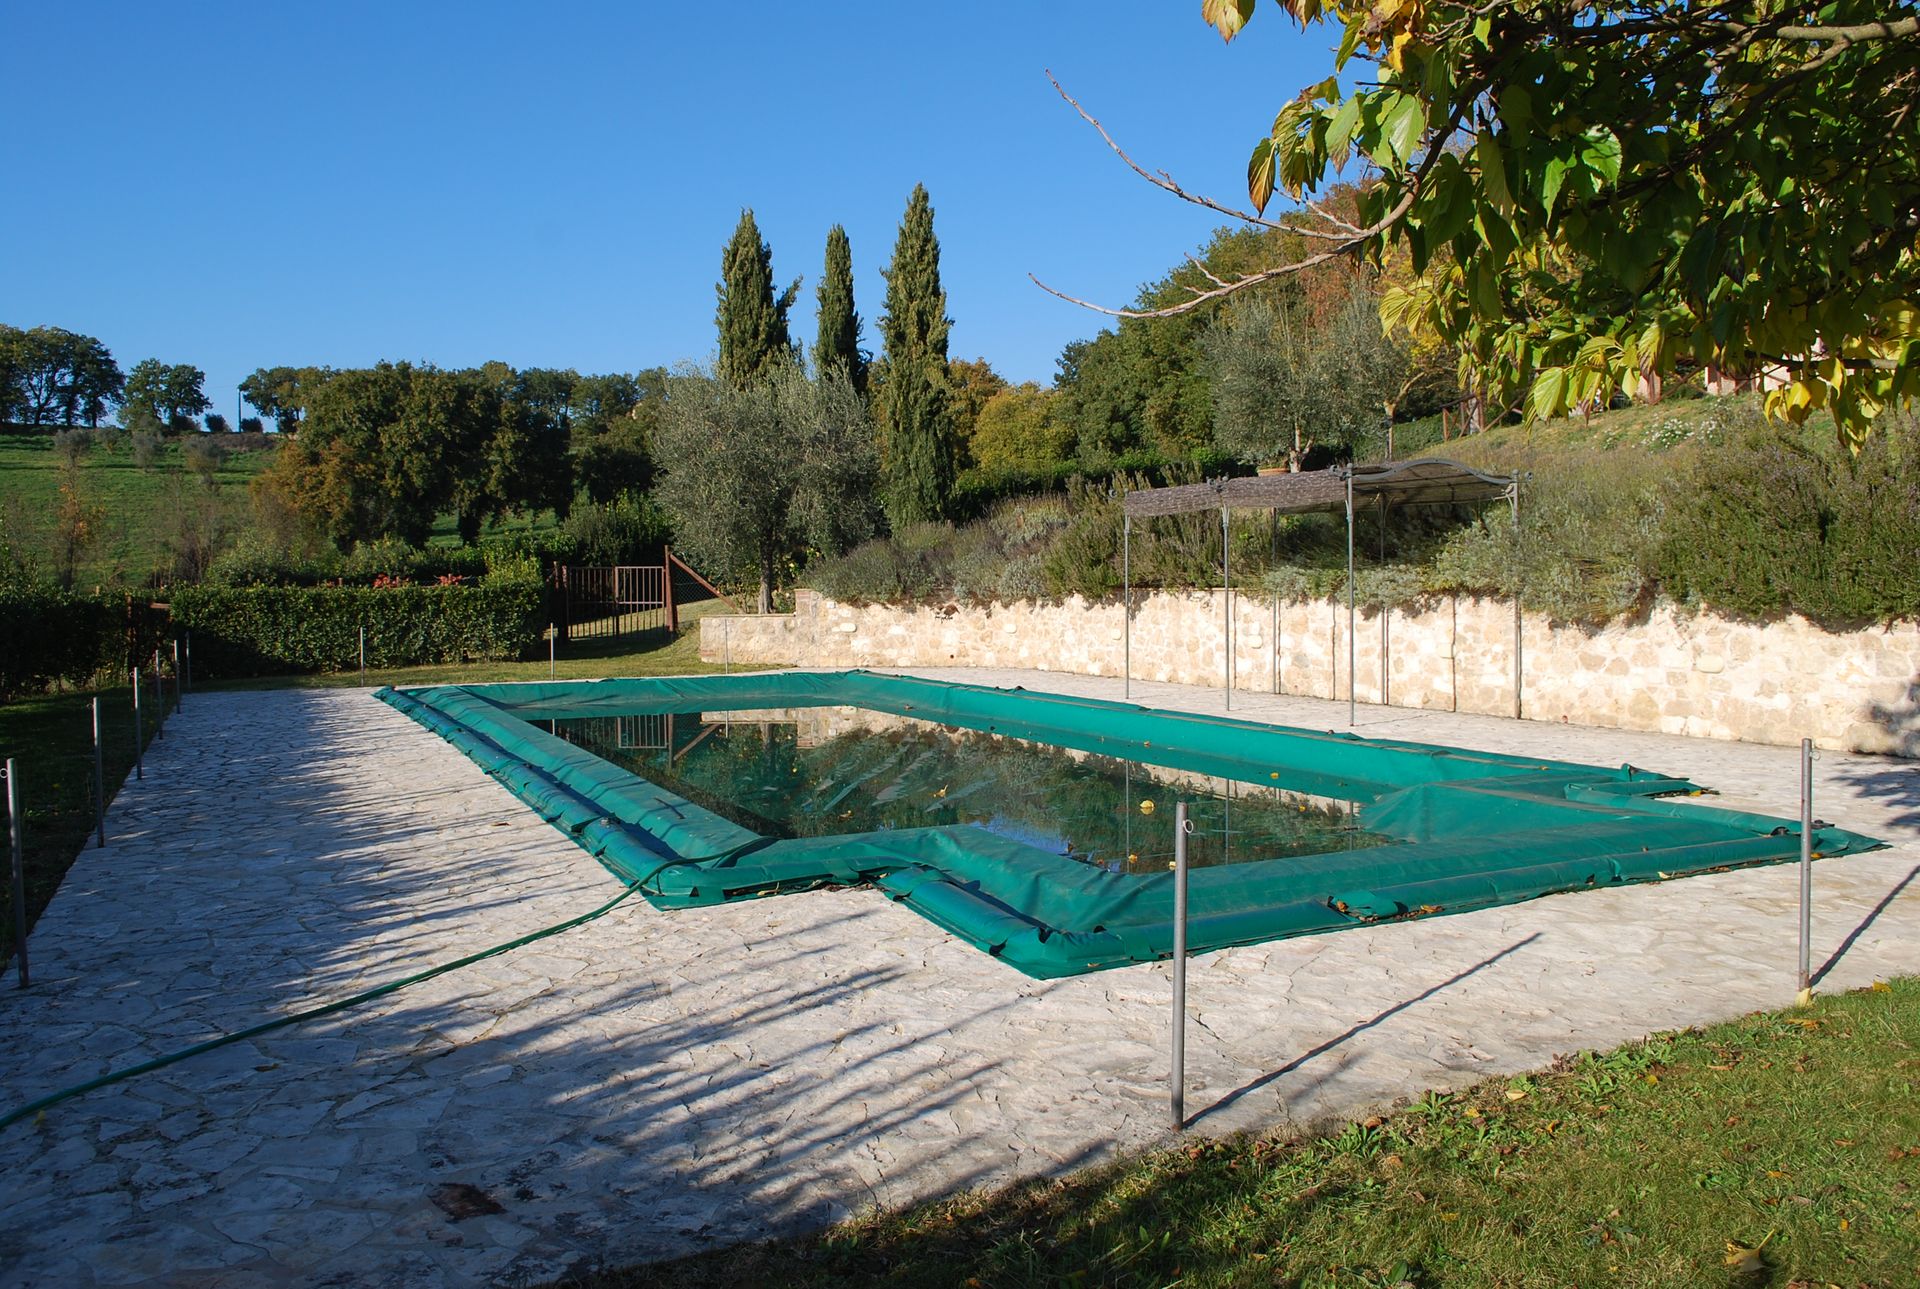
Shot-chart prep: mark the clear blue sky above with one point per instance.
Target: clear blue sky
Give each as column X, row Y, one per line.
column 241, row 185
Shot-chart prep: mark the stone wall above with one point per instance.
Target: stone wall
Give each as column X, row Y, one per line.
column 1669, row 671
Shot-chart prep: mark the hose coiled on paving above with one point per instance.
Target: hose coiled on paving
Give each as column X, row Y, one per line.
column 312, row 1013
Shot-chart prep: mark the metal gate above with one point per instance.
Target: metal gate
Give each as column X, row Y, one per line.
column 608, row 600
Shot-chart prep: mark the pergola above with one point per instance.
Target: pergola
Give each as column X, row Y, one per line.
column 1427, row 481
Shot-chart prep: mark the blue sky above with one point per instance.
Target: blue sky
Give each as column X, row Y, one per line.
column 243, row 185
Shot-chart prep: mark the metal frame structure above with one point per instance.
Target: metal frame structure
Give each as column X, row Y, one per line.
column 1424, row 481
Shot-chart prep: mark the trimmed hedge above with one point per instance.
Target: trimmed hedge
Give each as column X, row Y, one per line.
column 267, row 630
column 48, row 635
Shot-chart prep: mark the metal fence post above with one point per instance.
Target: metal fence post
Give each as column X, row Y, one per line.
column 189, row 660
column 553, row 652
column 99, row 777
column 18, row 849
column 159, row 696
column 179, row 681
column 139, row 730
column 363, row 651
column 1806, row 872
column 726, row 640
column 1181, row 827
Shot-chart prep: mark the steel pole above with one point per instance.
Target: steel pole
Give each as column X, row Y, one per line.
column 179, row 687
column 1806, row 871
column 1273, row 564
column 18, row 849
column 1226, row 597
column 1513, row 497
column 1126, row 600
column 553, row 652
column 363, row 651
column 99, row 778
column 159, row 697
column 1352, row 655
column 189, row 660
column 139, row 730
column 1181, row 827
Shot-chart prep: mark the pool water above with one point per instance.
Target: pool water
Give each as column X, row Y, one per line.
column 831, row 771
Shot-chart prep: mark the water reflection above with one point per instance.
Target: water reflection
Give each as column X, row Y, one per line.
column 824, row 771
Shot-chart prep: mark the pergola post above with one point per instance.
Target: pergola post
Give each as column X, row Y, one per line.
column 1126, row 602
column 1226, row 588
column 1352, row 653
column 1513, row 497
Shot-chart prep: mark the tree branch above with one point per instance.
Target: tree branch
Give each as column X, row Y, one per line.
column 1166, row 182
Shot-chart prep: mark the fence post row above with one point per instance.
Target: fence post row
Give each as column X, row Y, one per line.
column 99, row 778
column 1181, row 828
column 18, row 850
column 139, row 730
column 1806, row 872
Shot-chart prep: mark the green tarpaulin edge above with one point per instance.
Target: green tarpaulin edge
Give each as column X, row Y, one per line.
column 1476, row 829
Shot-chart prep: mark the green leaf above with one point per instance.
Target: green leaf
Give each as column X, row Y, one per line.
column 1340, row 129
column 1555, row 178
column 1548, row 397
column 1600, row 152
column 1402, row 126
column 1493, row 171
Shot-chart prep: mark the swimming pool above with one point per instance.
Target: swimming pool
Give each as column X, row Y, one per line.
column 1037, row 826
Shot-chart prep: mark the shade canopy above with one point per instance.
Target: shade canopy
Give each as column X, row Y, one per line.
column 1423, row 481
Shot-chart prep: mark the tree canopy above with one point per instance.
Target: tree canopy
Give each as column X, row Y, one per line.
column 916, row 416
column 752, row 320
column 170, row 393
column 1598, row 190
column 838, row 341
column 756, row 477
column 52, row 376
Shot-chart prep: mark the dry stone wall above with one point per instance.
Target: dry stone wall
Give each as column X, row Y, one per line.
column 1669, row 671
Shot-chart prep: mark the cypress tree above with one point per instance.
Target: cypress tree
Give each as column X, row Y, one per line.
column 838, row 344
column 752, row 322
column 916, row 416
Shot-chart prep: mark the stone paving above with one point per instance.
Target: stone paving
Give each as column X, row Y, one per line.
column 654, row 1083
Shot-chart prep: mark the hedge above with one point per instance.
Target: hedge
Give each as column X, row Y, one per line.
column 48, row 635
column 264, row 630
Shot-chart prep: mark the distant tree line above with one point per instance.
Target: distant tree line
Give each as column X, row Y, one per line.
column 52, row 376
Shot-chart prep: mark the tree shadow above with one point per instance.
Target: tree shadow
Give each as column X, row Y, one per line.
column 1873, row 915
column 1887, row 782
column 1354, row 1031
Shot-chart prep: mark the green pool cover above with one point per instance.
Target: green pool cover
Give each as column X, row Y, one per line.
column 1472, row 829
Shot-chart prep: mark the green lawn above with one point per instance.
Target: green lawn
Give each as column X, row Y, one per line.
column 1782, row 1149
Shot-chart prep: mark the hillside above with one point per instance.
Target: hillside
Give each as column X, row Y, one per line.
column 143, row 510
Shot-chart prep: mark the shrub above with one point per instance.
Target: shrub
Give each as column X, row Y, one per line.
column 204, row 456
column 630, row 529
column 218, row 424
column 72, row 445
column 49, row 635
column 266, row 630
column 252, row 425
column 145, row 447
column 1779, row 521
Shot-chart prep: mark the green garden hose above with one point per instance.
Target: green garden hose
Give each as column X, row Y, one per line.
column 312, row 1013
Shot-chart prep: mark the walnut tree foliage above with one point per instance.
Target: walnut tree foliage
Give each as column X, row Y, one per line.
column 1598, row 190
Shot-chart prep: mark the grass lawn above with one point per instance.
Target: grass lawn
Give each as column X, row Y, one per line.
column 1782, row 1149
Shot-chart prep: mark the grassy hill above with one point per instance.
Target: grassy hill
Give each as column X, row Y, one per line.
column 142, row 509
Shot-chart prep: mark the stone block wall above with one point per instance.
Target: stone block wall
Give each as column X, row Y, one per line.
column 1670, row 671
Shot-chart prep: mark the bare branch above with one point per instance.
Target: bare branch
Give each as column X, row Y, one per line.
column 1198, row 263
column 1166, row 182
column 1245, row 280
